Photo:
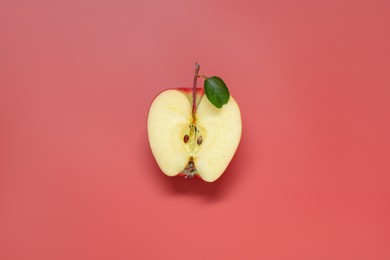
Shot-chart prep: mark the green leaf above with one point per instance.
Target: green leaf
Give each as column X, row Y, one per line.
column 216, row 91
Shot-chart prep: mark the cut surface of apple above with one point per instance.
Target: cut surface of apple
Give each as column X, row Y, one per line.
column 203, row 144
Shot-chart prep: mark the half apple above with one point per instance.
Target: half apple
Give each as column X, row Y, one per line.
column 202, row 144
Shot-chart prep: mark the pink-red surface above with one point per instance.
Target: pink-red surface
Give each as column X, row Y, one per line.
column 310, row 179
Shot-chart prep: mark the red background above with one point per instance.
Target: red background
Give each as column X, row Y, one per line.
column 310, row 179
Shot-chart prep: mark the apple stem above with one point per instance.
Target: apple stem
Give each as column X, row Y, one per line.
column 197, row 67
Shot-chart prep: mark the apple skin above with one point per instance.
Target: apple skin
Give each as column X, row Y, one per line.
column 188, row 92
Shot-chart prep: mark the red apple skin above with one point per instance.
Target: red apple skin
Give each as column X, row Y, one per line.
column 187, row 92
column 199, row 91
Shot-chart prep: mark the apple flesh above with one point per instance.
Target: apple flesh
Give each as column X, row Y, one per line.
column 202, row 144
